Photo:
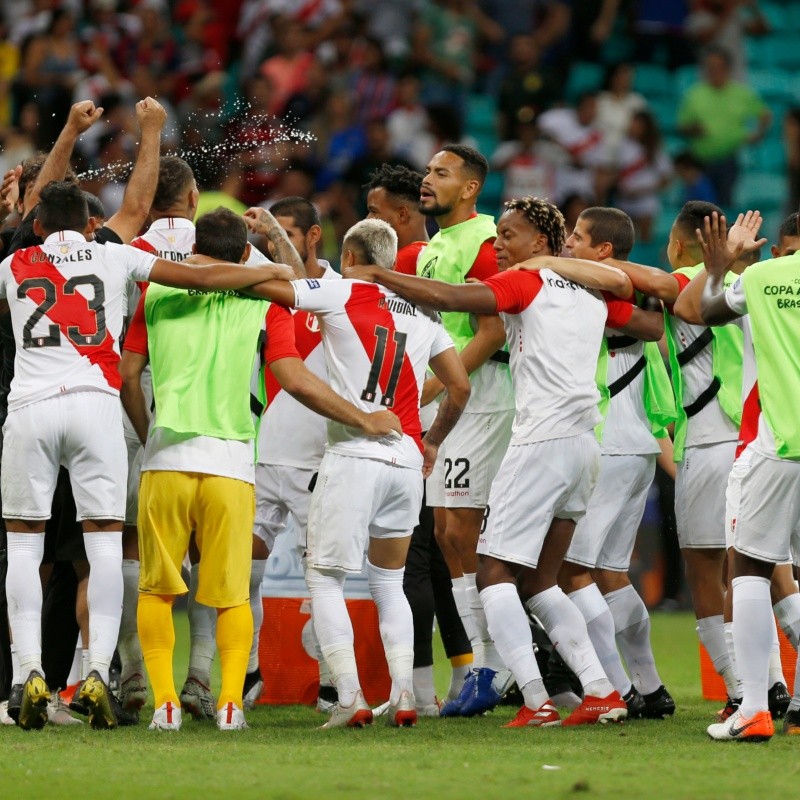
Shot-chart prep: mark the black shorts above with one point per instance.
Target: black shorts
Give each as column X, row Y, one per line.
column 63, row 534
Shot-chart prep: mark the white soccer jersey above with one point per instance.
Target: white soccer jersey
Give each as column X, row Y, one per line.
column 169, row 237
column 377, row 347
column 554, row 329
column 291, row 434
column 66, row 300
column 627, row 429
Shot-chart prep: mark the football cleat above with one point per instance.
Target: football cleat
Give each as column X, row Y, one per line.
column 197, row 700
column 166, row 718
column 791, row 722
column 35, row 697
column 133, row 692
column 327, row 698
column 484, row 696
column 253, row 686
column 730, row 708
column 598, row 709
column 95, row 695
column 778, row 699
column 635, row 703
column 357, row 715
column 546, row 716
column 14, row 702
column 5, row 719
column 429, row 709
column 76, row 704
column 231, row 718
column 658, row 704
column 403, row 713
column 58, row 712
column 758, row 728
column 452, row 708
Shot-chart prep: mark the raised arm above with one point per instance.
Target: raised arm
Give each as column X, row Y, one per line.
column 472, row 297
column 448, row 368
column 261, row 222
column 141, row 188
column 295, row 378
column 590, row 274
column 81, row 117
column 719, row 255
column 648, row 280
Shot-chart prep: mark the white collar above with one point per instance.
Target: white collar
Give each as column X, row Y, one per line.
column 65, row 236
column 165, row 223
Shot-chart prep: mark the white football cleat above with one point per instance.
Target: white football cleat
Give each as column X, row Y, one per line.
column 357, row 715
column 4, row 718
column 403, row 713
column 166, row 718
column 58, row 712
column 380, row 710
column 231, row 718
column 429, row 710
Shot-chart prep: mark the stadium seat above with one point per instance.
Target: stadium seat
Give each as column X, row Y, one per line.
column 683, row 79
column 780, row 48
column 492, row 194
column 766, row 156
column 481, row 114
column 652, row 80
column 665, row 110
column 583, row 77
column 766, row 191
column 776, row 85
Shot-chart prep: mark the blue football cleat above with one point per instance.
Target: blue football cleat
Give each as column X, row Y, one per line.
column 484, row 696
column 452, row 708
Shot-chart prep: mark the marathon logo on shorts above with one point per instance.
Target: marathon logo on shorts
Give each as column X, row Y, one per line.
column 312, row 284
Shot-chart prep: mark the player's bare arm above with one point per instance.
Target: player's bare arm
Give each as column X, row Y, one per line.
column 295, row 378
column 590, row 274
column 263, row 223
column 450, row 372
column 131, row 367
column 202, row 272
column 647, row 326
column 81, row 117
column 745, row 231
column 648, row 280
column 438, row 295
column 719, row 256
column 9, row 192
column 141, row 188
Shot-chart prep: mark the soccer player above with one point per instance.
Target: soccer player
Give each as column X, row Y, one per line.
column 65, row 299
column 595, row 570
column 394, row 197
column 461, row 251
column 377, row 347
column 167, row 458
column 548, row 473
column 769, row 509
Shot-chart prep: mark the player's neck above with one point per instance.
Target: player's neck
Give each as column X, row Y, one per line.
column 171, row 213
column 408, row 236
column 458, row 215
column 313, row 268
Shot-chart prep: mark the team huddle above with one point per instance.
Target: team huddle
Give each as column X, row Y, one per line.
column 477, row 414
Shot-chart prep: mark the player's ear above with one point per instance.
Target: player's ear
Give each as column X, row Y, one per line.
column 348, row 258
column 605, row 250
column 194, row 248
column 775, row 251
column 313, row 236
column 471, row 189
column 248, row 248
column 402, row 213
column 37, row 228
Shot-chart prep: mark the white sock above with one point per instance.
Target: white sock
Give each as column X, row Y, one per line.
column 787, row 612
column 105, row 590
column 325, row 674
column 462, row 604
column 424, row 690
column 16, row 677
column 257, row 570
column 334, row 630
column 396, row 625
column 202, row 632
column 130, row 651
column 457, row 677
column 24, row 592
column 600, row 627
column 84, row 664
column 732, row 655
column 632, row 627
column 752, row 636
column 511, row 633
column 75, row 670
column 775, row 666
column 489, row 656
column 567, row 631
column 711, row 632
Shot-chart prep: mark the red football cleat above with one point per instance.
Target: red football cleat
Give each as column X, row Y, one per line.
column 598, row 709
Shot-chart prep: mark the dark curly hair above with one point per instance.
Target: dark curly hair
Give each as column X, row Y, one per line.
column 545, row 217
column 398, row 181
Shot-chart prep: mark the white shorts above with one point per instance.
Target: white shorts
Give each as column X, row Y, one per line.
column 769, row 507
column 81, row 431
column 468, row 460
column 282, row 491
column 537, row 482
column 135, row 458
column 606, row 535
column 356, row 498
column 700, row 495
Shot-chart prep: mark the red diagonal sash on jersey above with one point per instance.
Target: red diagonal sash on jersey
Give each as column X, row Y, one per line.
column 69, row 310
column 365, row 314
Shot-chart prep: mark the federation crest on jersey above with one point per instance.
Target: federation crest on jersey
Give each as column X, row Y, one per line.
column 312, row 323
column 427, row 270
column 64, row 249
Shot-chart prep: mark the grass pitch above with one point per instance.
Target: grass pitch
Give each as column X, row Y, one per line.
column 283, row 756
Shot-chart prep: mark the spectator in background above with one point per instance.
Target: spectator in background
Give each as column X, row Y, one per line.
column 696, row 184
column 340, row 139
column 645, row 170
column 658, row 33
column 528, row 88
column 720, row 116
column 443, row 126
column 616, row 106
column 371, row 84
column 409, row 120
column 200, row 112
column 726, row 24
column 591, row 25
column 287, row 69
column 572, row 207
column 221, row 184
column 9, row 63
column 791, row 142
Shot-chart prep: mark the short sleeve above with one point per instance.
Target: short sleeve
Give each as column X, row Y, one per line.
column 619, row 313
column 514, row 291
column 138, row 263
column 441, row 342
column 321, row 296
column 485, row 264
column 256, row 257
column 136, row 335
column 280, row 342
column 734, row 297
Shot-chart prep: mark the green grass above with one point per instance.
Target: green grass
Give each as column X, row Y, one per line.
column 283, row 756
